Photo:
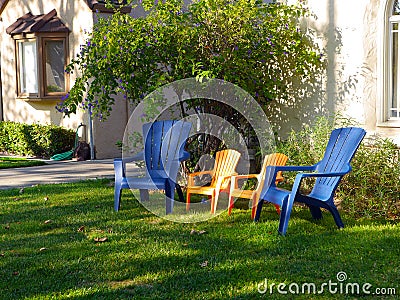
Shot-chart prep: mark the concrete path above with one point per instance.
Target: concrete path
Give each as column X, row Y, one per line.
column 56, row 172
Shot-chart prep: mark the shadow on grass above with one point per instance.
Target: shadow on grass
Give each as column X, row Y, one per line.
column 146, row 257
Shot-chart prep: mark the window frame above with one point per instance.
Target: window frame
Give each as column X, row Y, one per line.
column 41, row 39
column 18, row 42
column 393, row 19
column 384, row 66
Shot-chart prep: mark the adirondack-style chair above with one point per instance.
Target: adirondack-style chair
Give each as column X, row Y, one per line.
column 164, row 143
column 341, row 147
column 224, row 167
column 274, row 159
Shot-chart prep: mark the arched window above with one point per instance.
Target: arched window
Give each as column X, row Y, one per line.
column 393, row 105
column 388, row 76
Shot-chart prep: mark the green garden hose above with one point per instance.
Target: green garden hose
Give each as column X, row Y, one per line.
column 69, row 154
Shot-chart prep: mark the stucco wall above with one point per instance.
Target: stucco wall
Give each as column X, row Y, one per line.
column 349, row 31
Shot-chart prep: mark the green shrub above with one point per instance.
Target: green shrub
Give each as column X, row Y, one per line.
column 35, row 140
column 371, row 189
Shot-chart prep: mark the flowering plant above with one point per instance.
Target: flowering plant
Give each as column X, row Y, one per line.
column 260, row 47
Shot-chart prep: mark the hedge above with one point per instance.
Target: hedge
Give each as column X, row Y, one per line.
column 35, row 139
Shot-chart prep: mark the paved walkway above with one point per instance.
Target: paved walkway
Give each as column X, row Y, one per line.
column 56, row 172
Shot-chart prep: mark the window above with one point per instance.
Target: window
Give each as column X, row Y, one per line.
column 27, row 67
column 41, row 62
column 41, row 51
column 393, row 112
column 54, row 58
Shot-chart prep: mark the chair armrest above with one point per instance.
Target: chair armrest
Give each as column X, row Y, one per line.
column 328, row 174
column 299, row 178
column 276, row 169
column 220, row 181
column 194, row 174
column 136, row 157
column 184, row 156
column 293, row 168
column 191, row 176
column 248, row 176
column 235, row 179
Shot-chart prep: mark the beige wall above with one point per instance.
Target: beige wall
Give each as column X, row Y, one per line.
column 108, row 133
column 350, row 32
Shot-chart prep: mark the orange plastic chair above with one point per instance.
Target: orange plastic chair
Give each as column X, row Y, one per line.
column 224, row 167
column 275, row 159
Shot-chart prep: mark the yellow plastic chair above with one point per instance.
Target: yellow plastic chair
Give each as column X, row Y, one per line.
column 275, row 159
column 224, row 167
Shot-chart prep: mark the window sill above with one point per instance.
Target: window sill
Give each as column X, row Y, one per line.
column 40, row 99
column 389, row 124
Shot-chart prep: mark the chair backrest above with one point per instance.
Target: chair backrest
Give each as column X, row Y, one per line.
column 274, row 159
column 225, row 165
column 342, row 145
column 164, row 143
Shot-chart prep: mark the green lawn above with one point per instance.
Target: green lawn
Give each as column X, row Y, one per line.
column 13, row 162
column 65, row 241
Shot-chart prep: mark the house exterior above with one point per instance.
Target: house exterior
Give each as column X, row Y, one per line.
column 37, row 40
column 362, row 78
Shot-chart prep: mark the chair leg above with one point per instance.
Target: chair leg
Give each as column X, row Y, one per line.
column 278, row 209
column 169, row 197
column 144, row 195
column 258, row 210
column 336, row 217
column 119, row 175
column 315, row 212
column 117, row 196
column 230, row 206
column 180, row 193
column 285, row 214
column 254, row 207
column 214, row 202
column 188, row 201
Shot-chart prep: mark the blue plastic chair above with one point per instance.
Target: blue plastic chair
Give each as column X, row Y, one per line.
column 164, row 143
column 342, row 145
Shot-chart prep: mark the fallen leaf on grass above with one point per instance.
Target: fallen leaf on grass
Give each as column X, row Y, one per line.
column 46, row 198
column 15, row 273
column 21, row 191
column 101, row 240
column 47, row 221
column 82, row 228
column 194, row 231
column 204, row 264
column 7, row 227
column 42, row 249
